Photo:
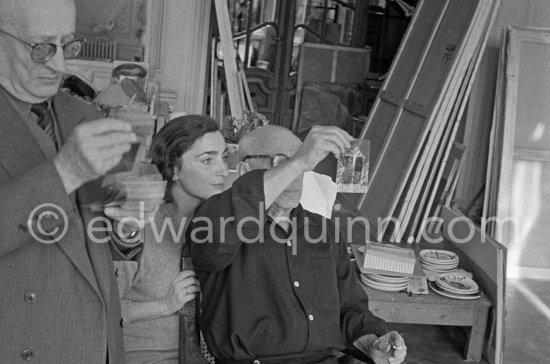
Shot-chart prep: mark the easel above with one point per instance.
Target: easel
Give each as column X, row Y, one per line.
column 240, row 100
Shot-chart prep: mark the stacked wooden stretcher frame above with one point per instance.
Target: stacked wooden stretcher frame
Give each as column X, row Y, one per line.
column 518, row 144
column 415, row 118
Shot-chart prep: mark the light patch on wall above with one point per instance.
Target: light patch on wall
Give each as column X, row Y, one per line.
column 538, row 133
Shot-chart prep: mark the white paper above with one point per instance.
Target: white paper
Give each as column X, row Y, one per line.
column 319, row 194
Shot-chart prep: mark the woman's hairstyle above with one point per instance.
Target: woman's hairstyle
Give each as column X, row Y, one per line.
column 176, row 138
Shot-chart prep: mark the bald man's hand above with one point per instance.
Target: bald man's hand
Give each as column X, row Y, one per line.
column 389, row 348
column 92, row 150
column 320, row 141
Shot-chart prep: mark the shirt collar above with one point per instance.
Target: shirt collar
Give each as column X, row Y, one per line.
column 299, row 214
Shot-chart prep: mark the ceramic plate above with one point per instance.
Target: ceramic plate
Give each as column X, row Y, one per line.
column 437, row 290
column 373, row 282
column 457, row 282
column 438, row 270
column 386, row 279
column 439, row 262
column 455, row 291
column 386, row 288
column 438, row 256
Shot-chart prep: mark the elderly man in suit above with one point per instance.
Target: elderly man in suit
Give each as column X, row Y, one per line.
column 59, row 300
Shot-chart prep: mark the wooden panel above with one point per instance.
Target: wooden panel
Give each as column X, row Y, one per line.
column 377, row 201
column 404, row 70
column 344, row 210
column 420, row 313
column 447, row 60
column 321, row 69
column 441, row 194
column 347, row 60
column 533, row 85
column 486, row 259
column 496, row 137
column 441, row 125
column 328, row 63
column 523, row 116
column 232, row 79
column 439, row 61
column 428, row 186
column 377, row 136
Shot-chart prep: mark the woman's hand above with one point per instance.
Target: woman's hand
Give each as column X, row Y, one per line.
column 183, row 289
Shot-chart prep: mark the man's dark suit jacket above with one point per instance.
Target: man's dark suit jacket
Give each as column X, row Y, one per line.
column 58, row 302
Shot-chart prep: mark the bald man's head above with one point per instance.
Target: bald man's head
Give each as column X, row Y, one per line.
column 8, row 16
column 269, row 139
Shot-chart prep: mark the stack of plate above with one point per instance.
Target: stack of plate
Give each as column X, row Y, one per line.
column 440, row 261
column 456, row 286
column 384, row 282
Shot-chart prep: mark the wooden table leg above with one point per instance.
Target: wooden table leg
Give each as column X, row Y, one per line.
column 474, row 346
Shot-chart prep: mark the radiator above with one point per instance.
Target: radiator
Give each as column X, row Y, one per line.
column 99, row 49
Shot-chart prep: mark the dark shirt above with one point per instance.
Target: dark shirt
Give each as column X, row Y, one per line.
column 272, row 298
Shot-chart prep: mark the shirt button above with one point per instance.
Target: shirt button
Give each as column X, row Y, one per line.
column 26, row 354
column 310, row 317
column 31, row 296
column 289, row 243
column 296, row 284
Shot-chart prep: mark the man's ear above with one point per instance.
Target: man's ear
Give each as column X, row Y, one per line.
column 176, row 175
column 243, row 167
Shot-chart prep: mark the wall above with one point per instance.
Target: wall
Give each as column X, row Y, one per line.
column 532, row 13
column 129, row 20
column 177, row 50
column 176, row 40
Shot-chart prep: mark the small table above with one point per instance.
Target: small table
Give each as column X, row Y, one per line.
column 434, row 309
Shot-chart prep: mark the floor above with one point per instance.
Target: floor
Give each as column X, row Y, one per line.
column 527, row 325
column 527, row 322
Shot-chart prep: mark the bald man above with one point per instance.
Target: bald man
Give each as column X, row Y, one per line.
column 276, row 285
column 59, row 300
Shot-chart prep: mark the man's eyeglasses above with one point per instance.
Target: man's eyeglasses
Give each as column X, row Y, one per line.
column 43, row 52
column 275, row 159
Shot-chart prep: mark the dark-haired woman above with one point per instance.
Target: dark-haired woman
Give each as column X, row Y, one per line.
column 189, row 151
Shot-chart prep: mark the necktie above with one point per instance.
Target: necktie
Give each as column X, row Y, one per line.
column 45, row 120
